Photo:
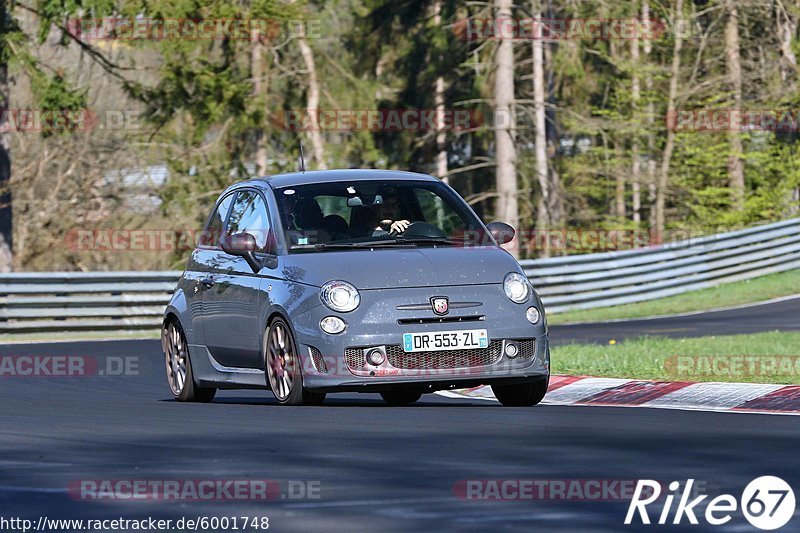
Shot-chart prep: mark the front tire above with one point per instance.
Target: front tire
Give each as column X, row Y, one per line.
column 521, row 394
column 179, row 367
column 284, row 368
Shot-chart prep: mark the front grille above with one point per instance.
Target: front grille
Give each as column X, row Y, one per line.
column 431, row 360
column 527, row 348
column 319, row 361
column 441, row 319
column 355, row 357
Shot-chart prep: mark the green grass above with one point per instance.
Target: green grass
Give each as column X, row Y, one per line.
column 687, row 359
column 729, row 294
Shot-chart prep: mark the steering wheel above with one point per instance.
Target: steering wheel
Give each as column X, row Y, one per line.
column 423, row 230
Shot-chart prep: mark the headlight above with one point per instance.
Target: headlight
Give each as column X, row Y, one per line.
column 533, row 315
column 340, row 296
column 516, row 287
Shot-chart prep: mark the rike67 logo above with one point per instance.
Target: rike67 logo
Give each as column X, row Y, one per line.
column 767, row 503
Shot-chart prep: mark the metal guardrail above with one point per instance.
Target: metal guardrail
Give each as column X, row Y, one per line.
column 93, row 301
column 615, row 278
column 83, row 301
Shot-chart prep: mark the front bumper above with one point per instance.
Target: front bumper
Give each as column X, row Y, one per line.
column 330, row 362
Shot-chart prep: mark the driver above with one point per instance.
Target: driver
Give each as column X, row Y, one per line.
column 385, row 217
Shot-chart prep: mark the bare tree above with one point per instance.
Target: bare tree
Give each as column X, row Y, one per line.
column 557, row 207
column 258, row 68
column 506, row 154
column 635, row 165
column 312, row 98
column 787, row 27
column 734, row 70
column 540, row 140
column 439, row 102
column 6, row 249
column 619, row 171
column 663, row 178
column 647, row 48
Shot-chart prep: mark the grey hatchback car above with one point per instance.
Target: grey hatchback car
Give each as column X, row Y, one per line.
column 353, row 280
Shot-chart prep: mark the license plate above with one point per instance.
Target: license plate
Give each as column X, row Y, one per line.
column 445, row 340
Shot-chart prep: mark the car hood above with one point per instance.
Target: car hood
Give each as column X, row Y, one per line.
column 392, row 268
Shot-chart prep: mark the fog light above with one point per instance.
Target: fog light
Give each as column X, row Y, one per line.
column 375, row 357
column 533, row 315
column 511, row 350
column 332, row 325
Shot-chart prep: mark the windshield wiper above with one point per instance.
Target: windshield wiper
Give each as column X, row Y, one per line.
column 430, row 240
column 348, row 245
column 396, row 241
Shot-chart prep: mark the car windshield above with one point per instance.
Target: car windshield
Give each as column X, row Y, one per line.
column 343, row 215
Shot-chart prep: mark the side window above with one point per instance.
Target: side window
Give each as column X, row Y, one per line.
column 249, row 215
column 213, row 231
column 436, row 211
column 335, row 205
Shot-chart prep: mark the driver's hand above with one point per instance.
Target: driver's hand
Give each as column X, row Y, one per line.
column 399, row 227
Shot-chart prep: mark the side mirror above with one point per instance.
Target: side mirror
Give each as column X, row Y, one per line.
column 501, row 232
column 242, row 245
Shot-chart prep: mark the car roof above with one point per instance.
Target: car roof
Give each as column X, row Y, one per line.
column 326, row 176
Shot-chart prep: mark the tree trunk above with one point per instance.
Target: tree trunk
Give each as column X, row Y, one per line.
column 260, row 84
column 6, row 221
column 540, row 139
column 787, row 27
column 506, row 154
column 734, row 68
column 651, row 124
column 619, row 188
column 635, row 167
column 663, row 178
column 556, row 210
column 312, row 99
column 439, row 102
column 618, row 207
column 441, row 133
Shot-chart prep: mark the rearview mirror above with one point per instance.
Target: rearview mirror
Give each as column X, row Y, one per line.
column 354, row 201
column 357, row 201
column 242, row 245
column 502, row 232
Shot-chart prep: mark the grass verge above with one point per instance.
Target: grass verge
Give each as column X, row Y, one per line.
column 729, row 294
column 757, row 358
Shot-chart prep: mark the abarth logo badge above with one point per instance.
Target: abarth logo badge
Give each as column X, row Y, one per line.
column 440, row 306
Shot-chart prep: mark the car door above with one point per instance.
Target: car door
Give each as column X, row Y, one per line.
column 231, row 301
column 201, row 263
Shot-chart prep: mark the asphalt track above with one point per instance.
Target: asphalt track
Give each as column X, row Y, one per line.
column 378, row 468
column 781, row 315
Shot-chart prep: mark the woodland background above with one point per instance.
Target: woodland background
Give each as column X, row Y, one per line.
column 589, row 145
